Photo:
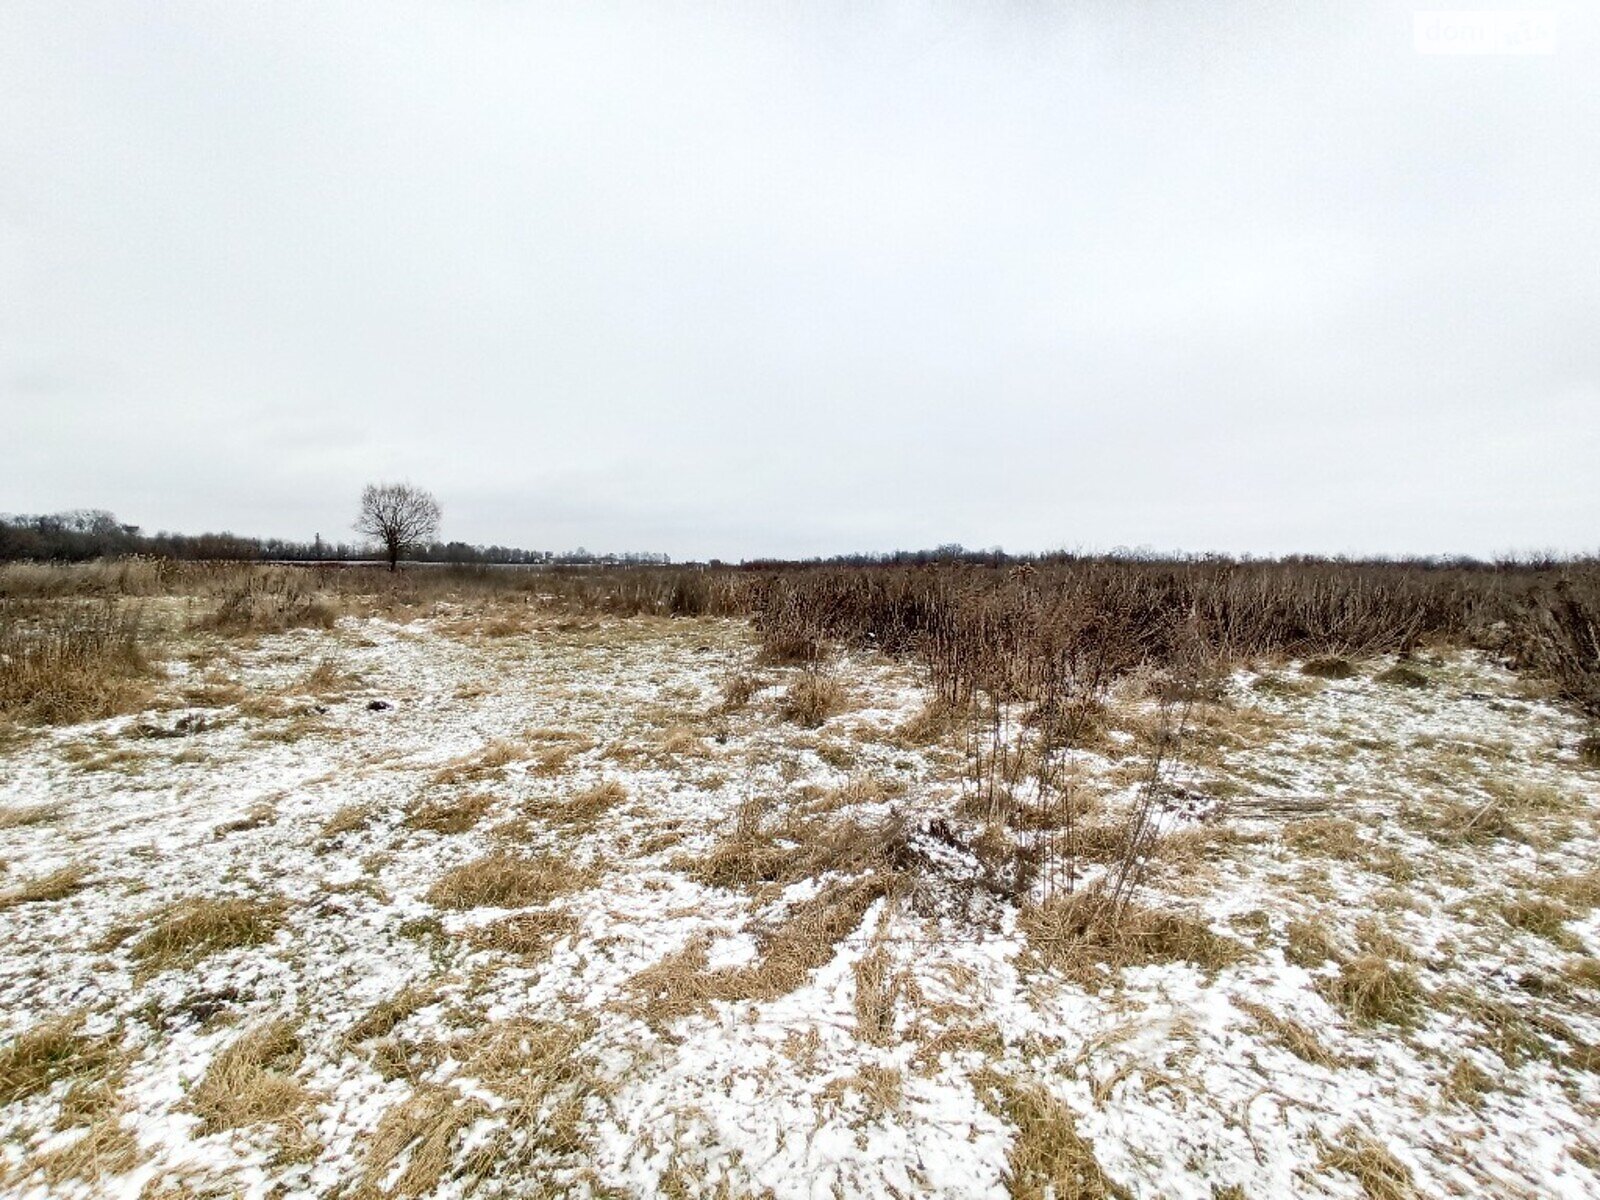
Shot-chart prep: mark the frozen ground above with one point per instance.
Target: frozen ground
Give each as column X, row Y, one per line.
column 1406, row 876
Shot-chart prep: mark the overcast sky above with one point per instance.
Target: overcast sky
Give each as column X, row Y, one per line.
column 803, row 279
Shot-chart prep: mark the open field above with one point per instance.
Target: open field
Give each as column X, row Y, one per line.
column 486, row 890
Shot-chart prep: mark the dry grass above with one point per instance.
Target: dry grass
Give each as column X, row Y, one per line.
column 812, row 699
column 877, row 994
column 57, row 885
column 106, row 1149
column 424, row 1128
column 1048, row 1160
column 738, row 690
column 535, row 1067
column 349, row 819
column 1308, row 944
column 1370, row 989
column 1331, row 837
column 1084, row 936
column 881, row 1089
column 192, row 929
column 17, row 816
column 251, row 1082
column 449, row 814
column 1295, row 1037
column 1380, row 1174
column 1544, row 918
column 530, row 935
column 483, row 764
column 504, row 880
column 680, row 984
column 589, row 805
column 66, row 661
column 935, row 722
column 1400, row 675
column 1329, row 668
column 759, row 851
column 380, row 1020
column 52, row 1050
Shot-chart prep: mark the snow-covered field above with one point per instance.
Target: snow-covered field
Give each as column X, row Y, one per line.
column 354, row 913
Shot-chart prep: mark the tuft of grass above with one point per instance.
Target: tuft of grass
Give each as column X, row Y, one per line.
column 17, row 816
column 1544, row 918
column 812, row 699
column 1328, row 668
column 877, row 994
column 1309, row 944
column 1049, row 1159
column 1297, row 1038
column 589, row 805
column 1401, row 675
column 380, row 1020
column 934, row 722
column 1380, row 1174
column 755, row 853
column 52, row 1050
column 680, row 984
column 251, row 1082
column 483, row 764
column 448, row 814
column 1589, row 750
column 193, row 929
column 57, row 885
column 348, row 819
column 1370, row 989
column 738, row 690
column 1333, row 837
column 504, row 880
column 424, row 1129
column 530, row 934
column 1086, row 936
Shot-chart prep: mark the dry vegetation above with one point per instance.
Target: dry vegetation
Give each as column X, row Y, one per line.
column 596, row 871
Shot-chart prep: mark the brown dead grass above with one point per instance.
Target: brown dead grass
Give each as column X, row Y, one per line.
column 590, row 804
column 1295, row 1037
column 1048, row 1160
column 1309, row 944
column 530, row 935
column 1082, row 935
column 380, row 1020
column 1372, row 989
column 251, row 1082
column 680, row 984
column 49, row 1051
column 1380, row 1174
column 57, row 885
column 448, row 814
column 486, row 763
column 812, row 699
column 505, row 880
column 17, row 816
column 1332, row 837
column 759, row 851
column 349, row 819
column 424, row 1128
column 877, row 995
column 536, row 1068
column 192, row 929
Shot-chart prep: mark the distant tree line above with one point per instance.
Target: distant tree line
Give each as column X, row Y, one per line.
column 94, row 533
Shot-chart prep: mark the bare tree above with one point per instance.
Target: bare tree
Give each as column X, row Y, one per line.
column 399, row 515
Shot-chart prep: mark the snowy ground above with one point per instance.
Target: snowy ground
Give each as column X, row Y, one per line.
column 626, row 1021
